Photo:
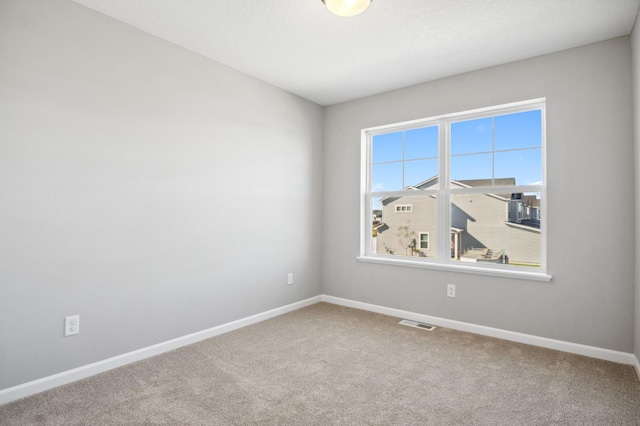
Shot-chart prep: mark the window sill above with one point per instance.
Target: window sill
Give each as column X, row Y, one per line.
column 468, row 269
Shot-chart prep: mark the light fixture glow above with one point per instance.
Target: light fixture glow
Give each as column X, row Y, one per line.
column 347, row 7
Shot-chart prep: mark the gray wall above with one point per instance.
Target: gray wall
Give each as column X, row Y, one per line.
column 635, row 44
column 151, row 191
column 590, row 162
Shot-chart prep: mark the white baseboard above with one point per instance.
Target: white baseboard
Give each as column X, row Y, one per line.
column 574, row 348
column 49, row 382
column 637, row 366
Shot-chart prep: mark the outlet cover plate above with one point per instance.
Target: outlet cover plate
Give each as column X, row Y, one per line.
column 71, row 325
column 451, row 290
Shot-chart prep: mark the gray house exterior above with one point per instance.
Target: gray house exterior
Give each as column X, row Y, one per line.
column 499, row 228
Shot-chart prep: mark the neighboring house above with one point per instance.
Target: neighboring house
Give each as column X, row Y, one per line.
column 501, row 228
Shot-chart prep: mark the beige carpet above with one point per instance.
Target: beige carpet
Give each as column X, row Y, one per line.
column 329, row 365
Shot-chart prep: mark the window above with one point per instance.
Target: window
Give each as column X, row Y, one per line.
column 471, row 183
column 424, row 240
column 400, row 208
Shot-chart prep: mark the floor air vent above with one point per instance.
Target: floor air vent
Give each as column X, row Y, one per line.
column 421, row 325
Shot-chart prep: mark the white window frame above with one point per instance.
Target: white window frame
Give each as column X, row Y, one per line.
column 443, row 191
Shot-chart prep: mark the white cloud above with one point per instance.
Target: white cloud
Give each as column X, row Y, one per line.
column 378, row 187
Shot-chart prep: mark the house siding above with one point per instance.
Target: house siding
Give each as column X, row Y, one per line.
column 483, row 219
column 421, row 219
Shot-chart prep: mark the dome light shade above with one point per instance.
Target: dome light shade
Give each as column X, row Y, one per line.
column 347, row 7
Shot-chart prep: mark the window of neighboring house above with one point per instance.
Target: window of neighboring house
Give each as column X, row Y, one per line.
column 472, row 182
column 404, row 208
column 424, row 240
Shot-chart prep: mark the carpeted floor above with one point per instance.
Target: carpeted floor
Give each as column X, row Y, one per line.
column 330, row 365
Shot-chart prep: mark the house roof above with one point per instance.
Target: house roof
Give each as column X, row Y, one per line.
column 528, row 200
column 473, row 183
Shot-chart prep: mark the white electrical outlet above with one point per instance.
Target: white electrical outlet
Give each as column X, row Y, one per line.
column 290, row 278
column 451, row 290
column 71, row 325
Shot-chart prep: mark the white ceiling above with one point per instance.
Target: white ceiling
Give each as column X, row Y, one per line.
column 299, row 46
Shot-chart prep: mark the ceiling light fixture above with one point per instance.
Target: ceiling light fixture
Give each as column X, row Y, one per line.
column 347, row 7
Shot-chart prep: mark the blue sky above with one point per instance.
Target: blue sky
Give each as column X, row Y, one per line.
column 511, row 147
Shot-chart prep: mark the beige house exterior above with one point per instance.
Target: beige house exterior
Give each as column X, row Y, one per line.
column 500, row 228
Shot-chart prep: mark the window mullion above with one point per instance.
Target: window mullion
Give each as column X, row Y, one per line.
column 404, row 184
column 493, row 151
column 443, row 221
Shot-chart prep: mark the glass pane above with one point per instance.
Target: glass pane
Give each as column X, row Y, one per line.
column 471, row 136
column 520, row 130
column 419, row 171
column 376, row 222
column 523, row 165
column 495, row 230
column 478, row 166
column 387, row 147
column 421, row 143
column 387, row 177
column 400, row 231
